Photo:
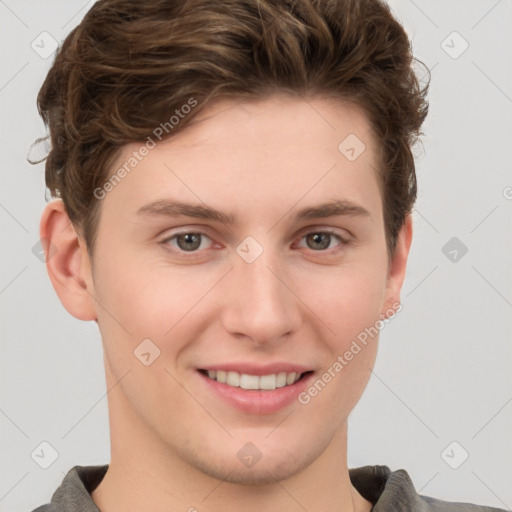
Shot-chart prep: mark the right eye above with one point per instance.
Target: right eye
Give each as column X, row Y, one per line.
column 188, row 241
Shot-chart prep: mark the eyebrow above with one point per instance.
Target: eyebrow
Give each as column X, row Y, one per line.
column 173, row 208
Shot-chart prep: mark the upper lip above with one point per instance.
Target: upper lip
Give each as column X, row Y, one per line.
column 255, row 369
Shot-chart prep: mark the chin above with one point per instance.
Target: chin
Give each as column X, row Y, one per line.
column 265, row 471
column 253, row 476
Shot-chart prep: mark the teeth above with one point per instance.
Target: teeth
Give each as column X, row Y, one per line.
column 268, row 382
column 245, row 381
column 233, row 379
column 281, row 380
column 249, row 381
column 290, row 378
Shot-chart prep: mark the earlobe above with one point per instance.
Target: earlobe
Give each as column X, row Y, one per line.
column 397, row 268
column 67, row 261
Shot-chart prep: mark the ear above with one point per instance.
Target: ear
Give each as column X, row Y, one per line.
column 67, row 261
column 396, row 269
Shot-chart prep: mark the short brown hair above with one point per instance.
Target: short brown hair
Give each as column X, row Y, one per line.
column 128, row 66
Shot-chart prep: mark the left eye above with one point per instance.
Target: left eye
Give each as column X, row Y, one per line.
column 321, row 240
column 188, row 242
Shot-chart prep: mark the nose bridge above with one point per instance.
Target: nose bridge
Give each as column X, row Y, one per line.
column 260, row 306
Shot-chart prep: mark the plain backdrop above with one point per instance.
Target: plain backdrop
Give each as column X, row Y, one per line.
column 442, row 386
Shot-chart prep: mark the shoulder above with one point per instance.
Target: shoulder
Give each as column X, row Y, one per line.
column 394, row 491
column 436, row 505
column 73, row 494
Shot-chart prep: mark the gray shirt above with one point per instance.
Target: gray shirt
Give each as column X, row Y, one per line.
column 388, row 491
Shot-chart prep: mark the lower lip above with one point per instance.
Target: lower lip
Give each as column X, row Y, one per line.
column 256, row 401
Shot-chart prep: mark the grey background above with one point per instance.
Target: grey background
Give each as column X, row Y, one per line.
column 443, row 369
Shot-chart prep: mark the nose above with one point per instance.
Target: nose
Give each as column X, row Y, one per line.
column 259, row 303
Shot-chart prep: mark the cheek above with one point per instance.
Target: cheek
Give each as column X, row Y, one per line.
column 349, row 305
column 347, row 299
column 144, row 297
column 141, row 303
column 348, row 302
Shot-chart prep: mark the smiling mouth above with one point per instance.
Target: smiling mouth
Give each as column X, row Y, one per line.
column 257, row 382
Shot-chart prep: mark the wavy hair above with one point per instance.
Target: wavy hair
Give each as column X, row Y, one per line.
column 129, row 65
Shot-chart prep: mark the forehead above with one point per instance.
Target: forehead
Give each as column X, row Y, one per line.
column 279, row 119
column 278, row 149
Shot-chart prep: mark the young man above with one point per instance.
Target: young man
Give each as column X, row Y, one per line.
column 233, row 183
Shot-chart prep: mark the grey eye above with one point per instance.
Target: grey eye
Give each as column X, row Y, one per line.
column 189, row 241
column 318, row 241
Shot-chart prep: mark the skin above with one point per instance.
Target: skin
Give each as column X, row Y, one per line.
column 174, row 442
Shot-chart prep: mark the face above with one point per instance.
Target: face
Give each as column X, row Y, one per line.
column 248, row 247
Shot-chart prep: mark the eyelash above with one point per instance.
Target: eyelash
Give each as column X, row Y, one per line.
column 343, row 242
